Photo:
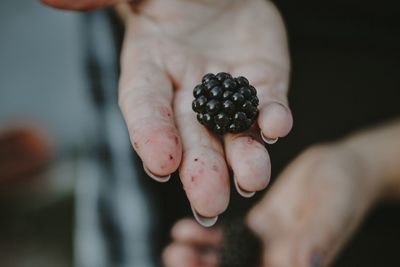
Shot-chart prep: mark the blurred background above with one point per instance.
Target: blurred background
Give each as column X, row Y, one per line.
column 70, row 190
column 44, row 117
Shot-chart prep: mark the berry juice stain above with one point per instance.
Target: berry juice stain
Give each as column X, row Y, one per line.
column 164, row 112
column 215, row 168
column 250, row 140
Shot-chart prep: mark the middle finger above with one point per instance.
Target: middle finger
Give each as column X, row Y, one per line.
column 203, row 172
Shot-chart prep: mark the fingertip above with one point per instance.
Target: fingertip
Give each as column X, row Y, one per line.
column 181, row 229
column 160, row 179
column 255, row 177
column 206, row 212
column 203, row 220
column 252, row 172
column 177, row 255
column 205, row 178
column 275, row 120
column 241, row 191
column 268, row 140
column 160, row 149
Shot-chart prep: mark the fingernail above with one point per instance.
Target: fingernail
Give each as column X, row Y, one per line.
column 268, row 140
column 161, row 179
column 243, row 193
column 204, row 221
column 316, row 260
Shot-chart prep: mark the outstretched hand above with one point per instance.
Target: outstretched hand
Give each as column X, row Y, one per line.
column 168, row 47
column 303, row 221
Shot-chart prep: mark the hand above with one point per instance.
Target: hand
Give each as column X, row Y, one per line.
column 169, row 46
column 303, row 221
column 193, row 245
column 315, row 206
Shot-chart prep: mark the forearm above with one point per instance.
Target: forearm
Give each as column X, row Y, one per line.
column 379, row 149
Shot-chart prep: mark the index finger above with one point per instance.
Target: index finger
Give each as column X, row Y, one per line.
column 145, row 99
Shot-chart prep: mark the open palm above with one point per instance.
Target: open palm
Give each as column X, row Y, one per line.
column 168, row 47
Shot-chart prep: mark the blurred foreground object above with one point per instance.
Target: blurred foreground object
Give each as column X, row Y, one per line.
column 24, row 152
column 240, row 246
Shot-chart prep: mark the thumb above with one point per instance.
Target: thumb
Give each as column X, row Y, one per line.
column 313, row 208
column 275, row 117
column 285, row 245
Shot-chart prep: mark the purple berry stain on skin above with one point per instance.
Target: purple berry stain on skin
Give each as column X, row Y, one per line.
column 165, row 112
column 250, row 140
column 215, row 168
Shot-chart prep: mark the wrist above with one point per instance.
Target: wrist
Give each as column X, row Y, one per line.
column 362, row 157
column 375, row 151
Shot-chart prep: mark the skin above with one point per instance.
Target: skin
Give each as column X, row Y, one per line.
column 168, row 47
column 316, row 205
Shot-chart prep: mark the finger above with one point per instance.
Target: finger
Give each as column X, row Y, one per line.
column 271, row 81
column 82, row 4
column 145, row 99
column 275, row 119
column 203, row 172
column 189, row 232
column 178, row 255
column 249, row 161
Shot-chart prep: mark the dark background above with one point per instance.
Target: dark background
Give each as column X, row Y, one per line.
column 345, row 76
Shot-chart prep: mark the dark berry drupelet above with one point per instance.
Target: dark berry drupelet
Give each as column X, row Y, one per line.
column 225, row 104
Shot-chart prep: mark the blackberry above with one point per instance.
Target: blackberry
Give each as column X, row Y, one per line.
column 225, row 104
column 240, row 246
